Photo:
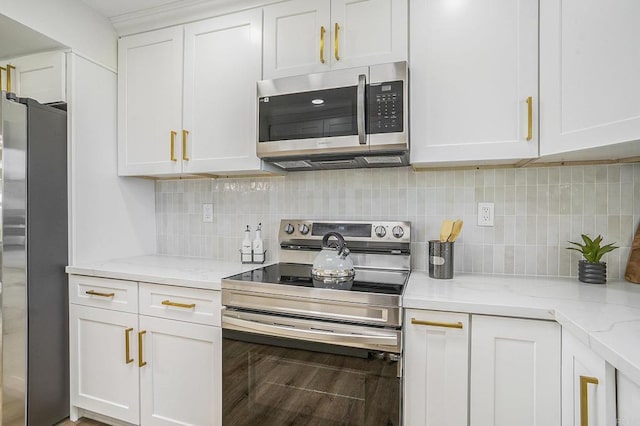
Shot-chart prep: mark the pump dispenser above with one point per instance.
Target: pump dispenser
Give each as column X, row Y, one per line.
column 245, row 252
column 258, row 246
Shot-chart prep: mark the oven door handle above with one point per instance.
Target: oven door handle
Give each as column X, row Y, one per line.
column 361, row 110
column 388, row 339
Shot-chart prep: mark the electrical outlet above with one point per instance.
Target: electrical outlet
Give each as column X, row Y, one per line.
column 485, row 214
column 207, row 213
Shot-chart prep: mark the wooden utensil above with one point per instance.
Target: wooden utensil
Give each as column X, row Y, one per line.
column 455, row 231
column 445, row 230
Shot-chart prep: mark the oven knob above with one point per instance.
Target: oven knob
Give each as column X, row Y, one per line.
column 398, row 232
column 304, row 229
column 289, row 228
column 380, row 231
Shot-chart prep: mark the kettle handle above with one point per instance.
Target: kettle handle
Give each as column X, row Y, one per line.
column 341, row 243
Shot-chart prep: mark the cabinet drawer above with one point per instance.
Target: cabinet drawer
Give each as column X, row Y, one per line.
column 180, row 303
column 105, row 293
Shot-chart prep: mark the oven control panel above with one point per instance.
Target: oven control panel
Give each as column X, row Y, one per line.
column 299, row 231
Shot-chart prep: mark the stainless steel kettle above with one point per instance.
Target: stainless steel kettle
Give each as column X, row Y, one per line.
column 332, row 267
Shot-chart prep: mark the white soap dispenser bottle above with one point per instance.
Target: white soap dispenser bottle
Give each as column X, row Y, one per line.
column 245, row 251
column 258, row 246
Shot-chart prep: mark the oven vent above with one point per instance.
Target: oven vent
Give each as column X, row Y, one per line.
column 383, row 160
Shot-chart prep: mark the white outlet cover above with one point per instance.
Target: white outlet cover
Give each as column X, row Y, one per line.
column 207, row 213
column 485, row 214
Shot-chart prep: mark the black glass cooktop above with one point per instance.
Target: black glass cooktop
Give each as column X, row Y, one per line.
column 295, row 274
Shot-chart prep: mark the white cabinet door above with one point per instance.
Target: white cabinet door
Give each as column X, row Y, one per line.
column 582, row 370
column 104, row 377
column 474, row 64
column 436, row 367
column 297, row 38
column 368, row 32
column 41, row 77
column 515, row 372
column 589, row 67
column 222, row 64
column 150, row 103
column 181, row 381
column 628, row 398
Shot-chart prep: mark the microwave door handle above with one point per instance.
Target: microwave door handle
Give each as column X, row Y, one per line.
column 360, row 112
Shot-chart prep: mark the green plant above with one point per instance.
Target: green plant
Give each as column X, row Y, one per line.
column 591, row 249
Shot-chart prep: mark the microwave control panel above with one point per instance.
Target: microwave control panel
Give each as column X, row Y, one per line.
column 386, row 113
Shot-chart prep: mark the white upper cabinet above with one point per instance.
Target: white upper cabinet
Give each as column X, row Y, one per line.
column 307, row 36
column 474, row 81
column 222, row 62
column 150, row 102
column 41, row 77
column 589, row 68
column 187, row 98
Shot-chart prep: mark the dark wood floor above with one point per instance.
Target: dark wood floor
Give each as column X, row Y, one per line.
column 81, row 422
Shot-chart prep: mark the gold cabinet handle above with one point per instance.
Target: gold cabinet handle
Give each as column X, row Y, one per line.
column 9, row 68
column 173, row 146
column 141, row 363
column 127, row 346
column 185, row 133
column 322, row 31
column 178, row 305
column 97, row 293
column 530, row 118
column 335, row 42
column 584, row 403
column 437, row 323
column 2, row 69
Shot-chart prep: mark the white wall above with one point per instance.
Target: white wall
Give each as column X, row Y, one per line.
column 111, row 216
column 70, row 22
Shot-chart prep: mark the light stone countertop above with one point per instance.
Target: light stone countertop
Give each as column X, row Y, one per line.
column 179, row 271
column 604, row 317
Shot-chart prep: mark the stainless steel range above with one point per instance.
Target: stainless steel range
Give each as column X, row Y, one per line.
column 297, row 352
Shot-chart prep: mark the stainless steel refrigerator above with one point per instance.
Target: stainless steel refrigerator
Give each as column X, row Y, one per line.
column 34, row 253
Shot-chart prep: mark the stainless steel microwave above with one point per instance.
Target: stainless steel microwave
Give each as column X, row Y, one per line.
column 347, row 118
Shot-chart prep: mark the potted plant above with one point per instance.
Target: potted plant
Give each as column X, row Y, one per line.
column 591, row 270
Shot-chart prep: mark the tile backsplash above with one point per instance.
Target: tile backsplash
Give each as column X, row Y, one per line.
column 537, row 210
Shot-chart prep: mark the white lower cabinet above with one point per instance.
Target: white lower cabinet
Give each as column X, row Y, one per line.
column 628, row 399
column 158, row 369
column 515, row 372
column 102, row 380
column 180, row 382
column 436, row 357
column 588, row 386
column 506, row 370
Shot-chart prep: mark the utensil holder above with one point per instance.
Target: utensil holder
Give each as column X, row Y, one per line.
column 440, row 259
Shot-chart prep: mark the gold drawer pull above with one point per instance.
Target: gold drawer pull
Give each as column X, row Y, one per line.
column 141, row 363
column 2, row 69
column 584, row 403
column 335, row 42
column 127, row 346
column 178, row 305
column 97, row 293
column 437, row 323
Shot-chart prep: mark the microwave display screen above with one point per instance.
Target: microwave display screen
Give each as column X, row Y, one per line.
column 308, row 115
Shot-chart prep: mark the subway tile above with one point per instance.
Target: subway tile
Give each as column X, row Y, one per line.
column 537, row 211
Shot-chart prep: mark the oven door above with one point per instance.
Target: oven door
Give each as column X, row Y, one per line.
column 270, row 379
column 322, row 113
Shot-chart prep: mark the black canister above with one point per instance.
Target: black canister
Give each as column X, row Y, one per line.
column 440, row 259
